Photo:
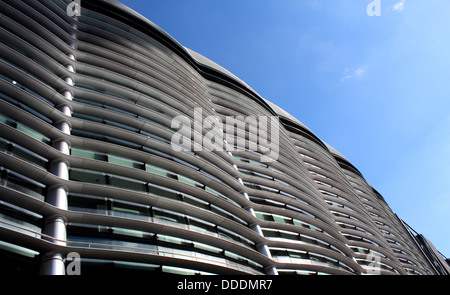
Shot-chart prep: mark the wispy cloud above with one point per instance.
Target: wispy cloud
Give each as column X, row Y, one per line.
column 399, row 6
column 352, row 74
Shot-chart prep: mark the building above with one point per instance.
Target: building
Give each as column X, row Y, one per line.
column 89, row 169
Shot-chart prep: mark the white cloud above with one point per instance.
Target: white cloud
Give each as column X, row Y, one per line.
column 399, row 6
column 359, row 72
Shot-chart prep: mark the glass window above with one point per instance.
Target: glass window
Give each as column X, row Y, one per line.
column 308, row 240
column 28, row 156
column 3, row 144
column 171, row 239
column 123, row 142
column 33, row 133
column 317, row 258
column 201, row 227
column 125, row 162
column 163, row 192
column 88, row 154
column 127, row 209
column 87, row 134
column 156, row 170
column 87, row 101
column 188, row 181
column 213, row 191
column 289, row 235
column 298, row 255
column 12, row 212
column 276, row 252
column 23, row 184
column 271, row 233
column 195, row 201
column 226, row 214
column 180, row 271
column 7, row 121
column 130, row 232
column 87, row 117
column 264, row 216
column 158, row 153
column 18, row 250
column 223, row 233
column 87, row 176
column 168, row 216
column 127, row 183
column 278, row 218
column 86, row 203
column 206, row 247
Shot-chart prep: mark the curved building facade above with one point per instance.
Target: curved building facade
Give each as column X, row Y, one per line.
column 87, row 163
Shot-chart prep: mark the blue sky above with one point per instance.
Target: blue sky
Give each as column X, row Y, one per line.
column 375, row 88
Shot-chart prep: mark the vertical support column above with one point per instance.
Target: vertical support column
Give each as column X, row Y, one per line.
column 55, row 226
column 261, row 248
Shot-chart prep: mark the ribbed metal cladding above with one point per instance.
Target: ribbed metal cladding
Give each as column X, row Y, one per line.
column 87, row 164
